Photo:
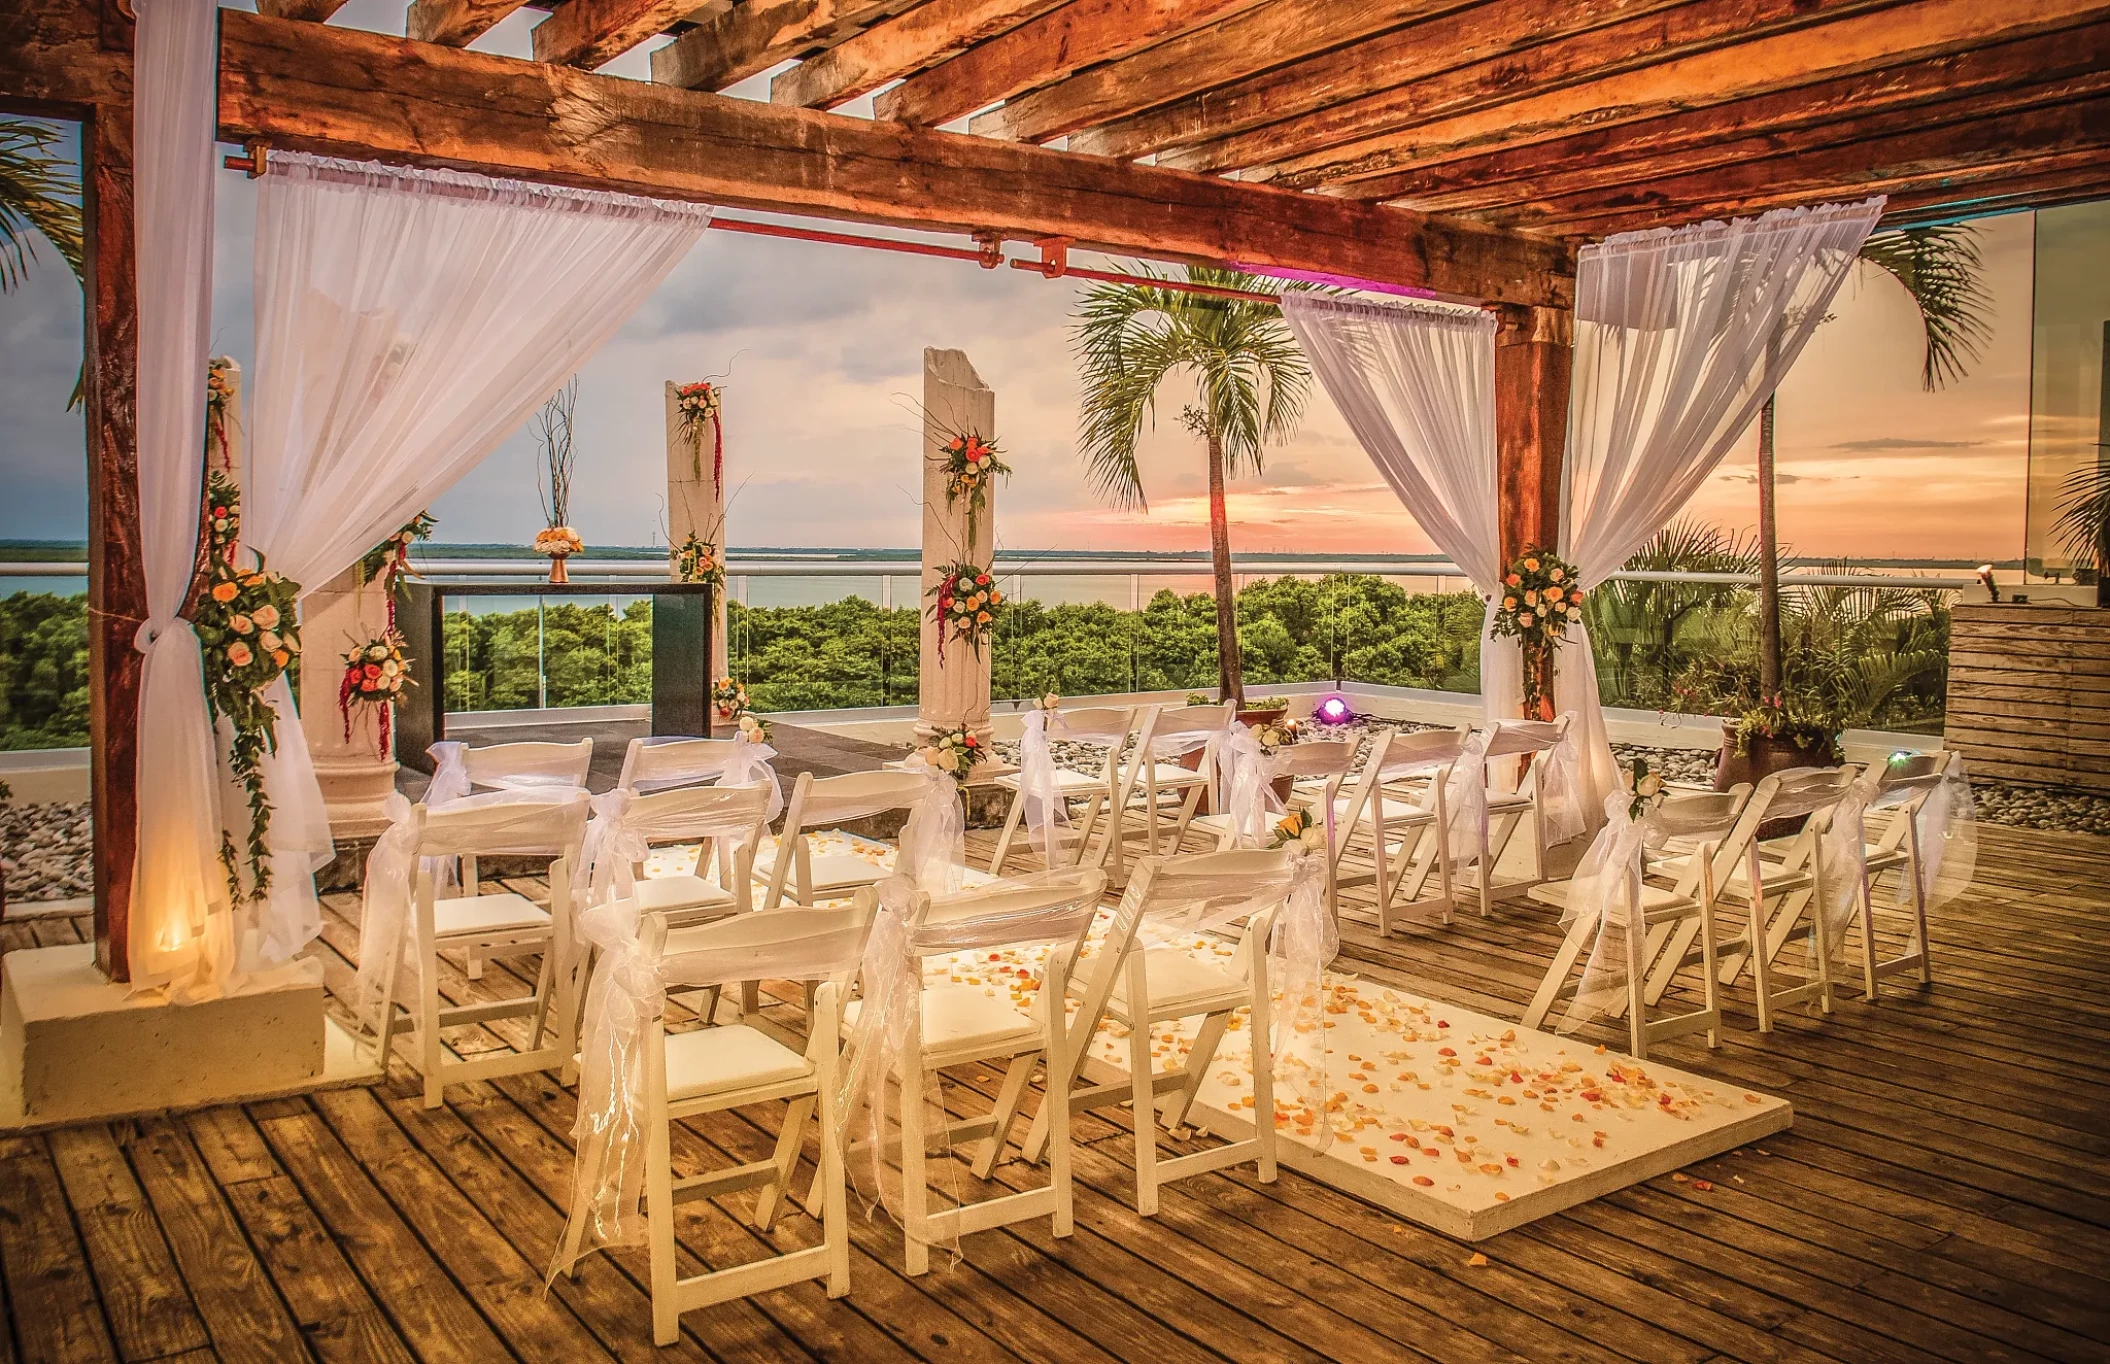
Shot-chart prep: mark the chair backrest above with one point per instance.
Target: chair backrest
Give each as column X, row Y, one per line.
column 776, row 944
column 827, row 800
column 1512, row 737
column 1032, row 910
column 1807, row 790
column 1163, row 885
column 1717, row 825
column 1421, row 751
column 502, row 765
column 670, row 762
column 502, row 822
column 1907, row 773
column 1183, row 727
column 1100, row 726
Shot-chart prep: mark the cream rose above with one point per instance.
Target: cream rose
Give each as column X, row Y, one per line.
column 265, row 616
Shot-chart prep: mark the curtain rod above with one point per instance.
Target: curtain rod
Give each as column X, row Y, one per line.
column 988, row 252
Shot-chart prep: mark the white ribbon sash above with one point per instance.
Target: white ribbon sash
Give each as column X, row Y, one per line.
column 1047, row 814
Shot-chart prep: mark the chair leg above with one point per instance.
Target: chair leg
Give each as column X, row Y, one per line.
column 835, row 1226
column 1263, row 1053
column 1761, row 961
column 1178, row 1104
column 1637, row 985
column 915, row 1178
column 786, row 1158
column 659, row 1233
column 473, row 964
column 430, row 1049
column 1008, row 1098
column 1012, row 819
column 1145, row 1112
column 1865, row 901
column 1187, row 809
column 1557, row 974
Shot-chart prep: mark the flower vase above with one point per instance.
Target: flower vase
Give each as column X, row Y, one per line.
column 557, row 572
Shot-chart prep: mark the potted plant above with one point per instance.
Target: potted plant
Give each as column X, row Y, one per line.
column 1266, row 711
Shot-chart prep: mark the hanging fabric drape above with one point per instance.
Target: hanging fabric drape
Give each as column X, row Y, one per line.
column 407, row 321
column 180, row 933
column 1680, row 336
column 1416, row 382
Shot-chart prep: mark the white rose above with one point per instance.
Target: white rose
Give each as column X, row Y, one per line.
column 389, row 669
column 1050, row 701
column 1649, row 786
column 749, row 724
column 949, row 760
column 266, row 616
column 1313, row 838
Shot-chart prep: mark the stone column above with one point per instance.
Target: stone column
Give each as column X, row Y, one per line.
column 355, row 776
column 954, row 690
column 696, row 502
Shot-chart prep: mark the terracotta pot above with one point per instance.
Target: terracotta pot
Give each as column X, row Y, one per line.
column 1763, row 756
column 1254, row 719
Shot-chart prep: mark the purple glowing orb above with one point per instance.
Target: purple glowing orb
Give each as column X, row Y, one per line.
column 1334, row 711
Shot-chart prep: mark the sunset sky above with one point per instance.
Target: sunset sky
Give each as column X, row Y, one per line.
column 822, row 347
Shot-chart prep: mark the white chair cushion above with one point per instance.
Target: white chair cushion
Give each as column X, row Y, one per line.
column 716, row 1060
column 501, row 913
column 831, row 871
column 966, row 1020
column 658, row 894
column 1174, row 976
column 1067, row 782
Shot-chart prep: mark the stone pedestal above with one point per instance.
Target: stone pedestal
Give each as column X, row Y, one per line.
column 696, row 502
column 355, row 775
column 952, row 689
column 74, row 1047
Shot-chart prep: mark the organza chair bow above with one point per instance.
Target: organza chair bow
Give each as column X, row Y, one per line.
column 658, row 764
column 1042, row 789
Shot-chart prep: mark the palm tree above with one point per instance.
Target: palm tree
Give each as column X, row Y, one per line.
column 1941, row 269
column 1250, row 379
column 39, row 195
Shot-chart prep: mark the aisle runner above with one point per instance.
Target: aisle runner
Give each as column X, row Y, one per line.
column 1462, row 1122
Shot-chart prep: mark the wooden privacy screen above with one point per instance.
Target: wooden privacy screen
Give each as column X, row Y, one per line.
column 2029, row 693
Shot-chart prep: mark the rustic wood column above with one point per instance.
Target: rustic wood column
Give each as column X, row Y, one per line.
column 1534, row 361
column 952, row 689
column 117, row 593
column 696, row 502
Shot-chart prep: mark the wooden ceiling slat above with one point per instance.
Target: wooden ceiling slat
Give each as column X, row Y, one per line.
column 744, row 39
column 1627, row 152
column 1058, row 44
column 309, row 87
column 53, row 62
column 1228, row 50
column 1918, row 31
column 456, row 23
column 313, row 11
column 1456, row 65
column 2083, row 178
column 591, row 33
column 1929, row 158
column 931, row 32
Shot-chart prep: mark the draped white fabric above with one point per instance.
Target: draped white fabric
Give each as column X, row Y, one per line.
column 1416, row 382
column 407, row 321
column 1680, row 336
column 181, row 934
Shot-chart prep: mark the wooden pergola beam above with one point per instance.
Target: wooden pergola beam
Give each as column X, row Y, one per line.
column 2048, row 184
column 735, row 42
column 314, row 11
column 1478, row 59
column 1088, row 103
column 1940, row 158
column 1994, row 78
column 455, row 23
column 1065, row 40
column 591, row 33
column 930, row 33
column 55, row 60
column 346, row 92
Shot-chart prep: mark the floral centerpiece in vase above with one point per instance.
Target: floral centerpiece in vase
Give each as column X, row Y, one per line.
column 963, row 603
column 553, row 445
column 1540, row 599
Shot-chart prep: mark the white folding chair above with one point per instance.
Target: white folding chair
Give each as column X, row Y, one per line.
column 1159, row 787
column 727, row 824
column 1137, row 987
column 505, row 924
column 709, row 1070
column 951, row 1024
column 1108, row 727
column 1401, row 800
column 1511, row 807
column 461, row 770
column 1908, row 782
column 1648, row 916
column 822, row 802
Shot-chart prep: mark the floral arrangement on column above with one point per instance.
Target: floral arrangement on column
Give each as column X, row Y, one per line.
column 954, row 750
column 553, row 448
column 753, row 730
column 964, row 603
column 1540, row 598
column 696, row 561
column 219, row 410
column 248, row 635
column 971, row 465
column 698, row 406
column 375, row 676
column 389, row 562
column 728, row 699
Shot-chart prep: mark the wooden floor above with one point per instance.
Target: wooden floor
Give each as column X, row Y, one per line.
column 1944, row 1195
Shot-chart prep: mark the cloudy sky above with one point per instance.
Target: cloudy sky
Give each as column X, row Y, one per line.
column 822, row 349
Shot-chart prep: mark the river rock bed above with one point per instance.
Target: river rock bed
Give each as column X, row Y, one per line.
column 47, row 851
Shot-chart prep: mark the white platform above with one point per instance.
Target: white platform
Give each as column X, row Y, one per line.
column 76, row 1048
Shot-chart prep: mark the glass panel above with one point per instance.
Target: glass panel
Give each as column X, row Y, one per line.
column 2069, row 402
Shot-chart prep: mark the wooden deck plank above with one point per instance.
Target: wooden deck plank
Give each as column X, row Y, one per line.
column 150, row 1313
column 53, row 1310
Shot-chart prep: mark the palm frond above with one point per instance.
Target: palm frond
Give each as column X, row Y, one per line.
column 2083, row 527
column 1942, row 270
column 40, row 194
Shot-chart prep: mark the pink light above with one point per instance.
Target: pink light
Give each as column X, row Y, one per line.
column 1334, row 711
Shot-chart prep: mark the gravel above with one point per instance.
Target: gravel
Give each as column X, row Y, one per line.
column 46, row 851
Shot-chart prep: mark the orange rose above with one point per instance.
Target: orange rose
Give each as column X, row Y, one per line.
column 225, row 592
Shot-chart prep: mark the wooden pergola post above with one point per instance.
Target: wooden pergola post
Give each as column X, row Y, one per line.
column 1534, row 363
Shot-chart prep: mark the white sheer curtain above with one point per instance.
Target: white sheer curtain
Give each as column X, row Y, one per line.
column 407, row 321
column 1680, row 335
column 1416, row 382
column 179, row 933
